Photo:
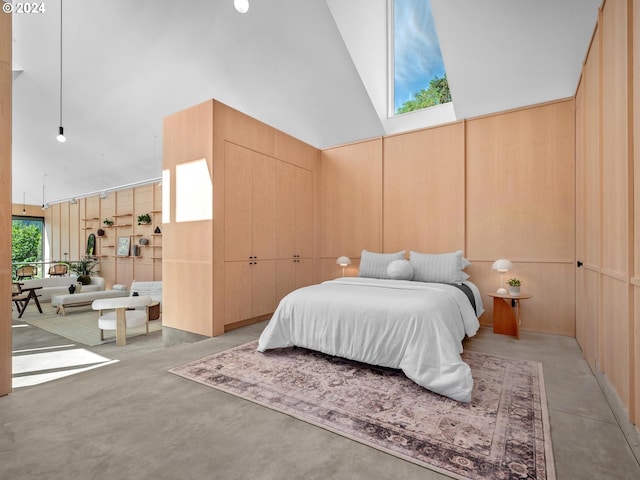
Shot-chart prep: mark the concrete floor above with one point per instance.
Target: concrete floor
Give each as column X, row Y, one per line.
column 133, row 420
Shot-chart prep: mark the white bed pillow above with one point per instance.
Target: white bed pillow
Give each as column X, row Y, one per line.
column 441, row 267
column 400, row 270
column 374, row 265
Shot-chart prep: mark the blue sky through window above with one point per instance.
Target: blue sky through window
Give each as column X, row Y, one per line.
column 417, row 56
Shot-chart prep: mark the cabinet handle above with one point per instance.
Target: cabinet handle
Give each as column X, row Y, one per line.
column 579, row 263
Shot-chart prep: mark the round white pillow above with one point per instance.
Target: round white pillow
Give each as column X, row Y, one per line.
column 400, row 270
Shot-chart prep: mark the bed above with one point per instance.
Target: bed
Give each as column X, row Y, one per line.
column 416, row 326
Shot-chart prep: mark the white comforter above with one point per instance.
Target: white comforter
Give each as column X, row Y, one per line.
column 417, row 327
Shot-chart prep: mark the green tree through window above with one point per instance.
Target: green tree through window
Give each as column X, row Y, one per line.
column 416, row 58
column 26, row 239
column 437, row 93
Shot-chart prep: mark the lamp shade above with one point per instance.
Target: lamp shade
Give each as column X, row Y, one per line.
column 502, row 265
column 343, row 261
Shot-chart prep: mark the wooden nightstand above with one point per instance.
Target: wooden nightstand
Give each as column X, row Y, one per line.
column 505, row 320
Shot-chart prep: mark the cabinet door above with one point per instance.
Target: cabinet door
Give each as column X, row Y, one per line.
column 285, row 278
column 238, row 285
column 304, row 273
column 264, row 206
column 264, row 287
column 286, row 210
column 304, row 213
column 238, row 209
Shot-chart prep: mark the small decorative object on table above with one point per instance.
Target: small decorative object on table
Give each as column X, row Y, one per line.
column 514, row 286
column 157, row 230
column 100, row 232
column 72, row 288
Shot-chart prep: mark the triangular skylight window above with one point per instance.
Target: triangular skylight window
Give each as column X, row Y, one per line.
column 419, row 77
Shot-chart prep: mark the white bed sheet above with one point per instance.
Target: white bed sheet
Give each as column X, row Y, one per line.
column 415, row 326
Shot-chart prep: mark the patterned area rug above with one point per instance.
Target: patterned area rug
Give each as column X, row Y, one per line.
column 502, row 434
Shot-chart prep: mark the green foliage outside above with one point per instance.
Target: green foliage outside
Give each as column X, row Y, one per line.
column 26, row 243
column 437, row 93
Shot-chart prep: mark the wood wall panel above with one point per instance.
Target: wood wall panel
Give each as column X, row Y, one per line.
column 65, row 229
column 592, row 155
column 590, row 342
column 107, row 243
column 295, row 152
column 615, row 133
column 186, row 308
column 617, row 324
column 421, row 210
column 188, row 136
column 636, row 209
column 350, row 213
column 520, row 204
column 495, row 186
column 581, row 325
column 238, row 128
column 5, row 203
column 550, row 310
column 615, row 360
column 609, row 238
column 74, row 231
column 520, row 184
column 588, row 199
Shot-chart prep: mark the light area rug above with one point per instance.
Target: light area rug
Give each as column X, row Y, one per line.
column 502, row 434
column 78, row 325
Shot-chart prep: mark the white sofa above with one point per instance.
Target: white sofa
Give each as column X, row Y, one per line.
column 52, row 286
column 147, row 289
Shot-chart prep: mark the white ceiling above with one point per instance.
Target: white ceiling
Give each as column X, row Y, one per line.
column 315, row 69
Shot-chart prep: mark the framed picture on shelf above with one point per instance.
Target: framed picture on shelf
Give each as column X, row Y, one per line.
column 124, row 243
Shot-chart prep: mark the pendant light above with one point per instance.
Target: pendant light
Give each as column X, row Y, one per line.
column 61, row 138
column 242, row 6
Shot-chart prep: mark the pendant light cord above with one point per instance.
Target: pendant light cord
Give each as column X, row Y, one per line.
column 60, row 62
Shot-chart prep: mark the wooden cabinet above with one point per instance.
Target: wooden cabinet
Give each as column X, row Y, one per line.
column 294, row 231
column 268, row 232
column 250, row 204
column 262, row 188
column 294, row 207
column 292, row 274
column 250, row 289
column 250, row 233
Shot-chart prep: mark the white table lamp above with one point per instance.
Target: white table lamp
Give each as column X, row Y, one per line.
column 502, row 265
column 343, row 262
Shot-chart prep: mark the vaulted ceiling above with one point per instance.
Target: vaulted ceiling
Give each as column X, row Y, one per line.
column 315, row 69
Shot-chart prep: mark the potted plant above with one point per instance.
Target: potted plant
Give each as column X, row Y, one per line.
column 514, row 286
column 144, row 219
column 84, row 269
column 108, row 222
